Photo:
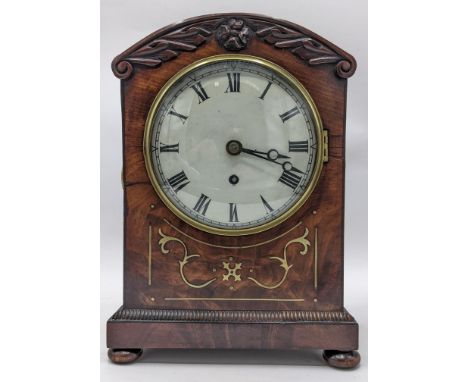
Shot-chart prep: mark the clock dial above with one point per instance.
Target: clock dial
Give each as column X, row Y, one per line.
column 233, row 145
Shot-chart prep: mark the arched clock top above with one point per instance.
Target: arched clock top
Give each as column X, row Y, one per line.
column 233, row 33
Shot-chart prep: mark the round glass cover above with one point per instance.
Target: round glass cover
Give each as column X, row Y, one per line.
column 233, row 144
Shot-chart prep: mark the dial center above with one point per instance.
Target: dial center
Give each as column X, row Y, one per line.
column 233, row 179
column 234, row 147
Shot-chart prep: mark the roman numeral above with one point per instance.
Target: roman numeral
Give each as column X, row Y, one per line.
column 298, row 146
column 178, row 181
column 169, row 148
column 201, row 93
column 265, row 203
column 290, row 179
column 202, row 204
column 234, row 83
column 183, row 118
column 233, row 212
column 265, row 91
column 289, row 114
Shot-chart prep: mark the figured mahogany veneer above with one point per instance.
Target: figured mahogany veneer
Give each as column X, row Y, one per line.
column 174, row 302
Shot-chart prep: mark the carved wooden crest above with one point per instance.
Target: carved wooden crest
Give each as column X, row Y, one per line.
column 233, row 33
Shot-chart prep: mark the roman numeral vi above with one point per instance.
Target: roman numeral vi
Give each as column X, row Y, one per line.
column 233, row 212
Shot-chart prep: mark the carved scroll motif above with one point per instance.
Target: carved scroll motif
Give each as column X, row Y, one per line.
column 164, row 48
column 233, row 34
column 305, row 47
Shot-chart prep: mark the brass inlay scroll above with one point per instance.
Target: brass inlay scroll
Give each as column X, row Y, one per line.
column 150, row 239
column 284, row 260
column 182, row 263
column 232, row 272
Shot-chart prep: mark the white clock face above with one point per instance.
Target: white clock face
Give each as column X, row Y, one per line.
column 233, row 145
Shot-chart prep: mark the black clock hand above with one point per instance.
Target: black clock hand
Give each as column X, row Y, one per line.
column 287, row 166
column 235, row 148
column 271, row 155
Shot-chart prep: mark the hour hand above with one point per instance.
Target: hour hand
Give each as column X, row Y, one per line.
column 234, row 147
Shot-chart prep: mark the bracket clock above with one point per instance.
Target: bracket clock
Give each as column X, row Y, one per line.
column 233, row 177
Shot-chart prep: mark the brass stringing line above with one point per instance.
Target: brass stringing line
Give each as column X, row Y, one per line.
column 232, row 299
column 315, row 258
column 228, row 247
column 150, row 238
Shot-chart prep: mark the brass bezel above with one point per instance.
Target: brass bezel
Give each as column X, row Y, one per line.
column 318, row 160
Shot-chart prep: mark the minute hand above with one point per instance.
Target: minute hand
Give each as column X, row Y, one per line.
column 269, row 157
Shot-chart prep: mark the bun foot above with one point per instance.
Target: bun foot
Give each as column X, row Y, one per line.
column 342, row 359
column 124, row 355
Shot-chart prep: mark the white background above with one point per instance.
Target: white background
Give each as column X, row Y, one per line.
column 49, row 217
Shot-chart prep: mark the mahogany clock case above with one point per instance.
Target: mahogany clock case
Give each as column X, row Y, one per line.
column 277, row 289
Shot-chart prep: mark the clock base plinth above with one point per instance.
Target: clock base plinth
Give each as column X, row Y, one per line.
column 230, row 329
column 342, row 359
column 124, row 355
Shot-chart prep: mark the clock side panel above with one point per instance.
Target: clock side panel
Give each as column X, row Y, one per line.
column 297, row 265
